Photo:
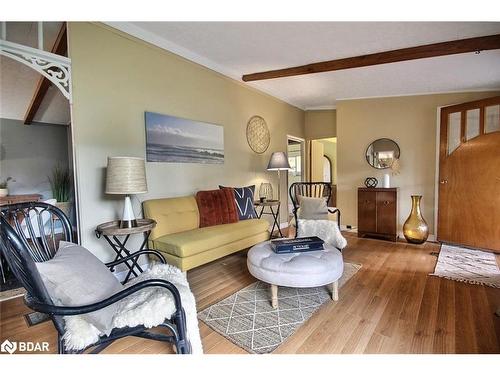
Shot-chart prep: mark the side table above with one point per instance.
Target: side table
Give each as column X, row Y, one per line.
column 273, row 213
column 111, row 231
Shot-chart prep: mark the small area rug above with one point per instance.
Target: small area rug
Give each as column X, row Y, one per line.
column 467, row 265
column 247, row 319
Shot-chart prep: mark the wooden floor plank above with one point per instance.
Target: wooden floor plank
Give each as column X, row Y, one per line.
column 391, row 305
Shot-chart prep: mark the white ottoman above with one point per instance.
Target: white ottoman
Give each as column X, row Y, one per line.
column 298, row 270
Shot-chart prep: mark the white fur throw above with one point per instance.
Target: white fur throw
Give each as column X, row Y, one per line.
column 327, row 230
column 149, row 306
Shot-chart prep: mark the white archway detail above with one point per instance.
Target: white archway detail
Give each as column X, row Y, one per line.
column 55, row 68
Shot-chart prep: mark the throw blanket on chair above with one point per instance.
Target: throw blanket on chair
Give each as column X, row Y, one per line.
column 327, row 230
column 148, row 306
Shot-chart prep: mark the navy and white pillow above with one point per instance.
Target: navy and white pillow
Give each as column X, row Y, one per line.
column 244, row 202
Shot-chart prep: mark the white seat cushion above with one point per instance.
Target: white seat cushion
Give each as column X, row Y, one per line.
column 300, row 270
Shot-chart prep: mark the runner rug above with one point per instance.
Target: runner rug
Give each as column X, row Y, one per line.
column 468, row 265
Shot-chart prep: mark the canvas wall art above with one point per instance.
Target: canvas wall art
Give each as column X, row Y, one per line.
column 177, row 140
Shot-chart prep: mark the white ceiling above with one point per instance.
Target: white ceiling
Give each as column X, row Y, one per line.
column 18, row 82
column 237, row 48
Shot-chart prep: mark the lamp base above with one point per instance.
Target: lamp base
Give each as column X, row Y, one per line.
column 128, row 224
column 128, row 218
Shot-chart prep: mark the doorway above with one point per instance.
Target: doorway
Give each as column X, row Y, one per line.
column 323, row 164
column 36, row 148
column 296, row 159
column 469, row 174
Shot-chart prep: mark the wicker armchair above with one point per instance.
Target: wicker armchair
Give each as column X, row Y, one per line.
column 312, row 190
column 27, row 237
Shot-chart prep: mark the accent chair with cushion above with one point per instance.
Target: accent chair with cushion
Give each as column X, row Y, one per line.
column 183, row 236
column 310, row 201
column 87, row 304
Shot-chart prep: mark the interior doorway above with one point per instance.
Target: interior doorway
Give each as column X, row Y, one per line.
column 36, row 148
column 323, row 164
column 296, row 159
column 469, row 174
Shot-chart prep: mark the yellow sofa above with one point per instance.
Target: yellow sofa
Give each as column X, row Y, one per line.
column 184, row 244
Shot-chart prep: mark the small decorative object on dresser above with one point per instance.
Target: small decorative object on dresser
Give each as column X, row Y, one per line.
column 387, row 180
column 371, row 182
column 378, row 212
column 415, row 228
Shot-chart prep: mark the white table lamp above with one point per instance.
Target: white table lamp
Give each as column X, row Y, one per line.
column 126, row 175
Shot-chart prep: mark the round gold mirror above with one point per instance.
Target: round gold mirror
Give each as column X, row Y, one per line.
column 382, row 153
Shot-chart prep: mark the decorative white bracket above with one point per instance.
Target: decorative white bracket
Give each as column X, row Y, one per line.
column 55, row 68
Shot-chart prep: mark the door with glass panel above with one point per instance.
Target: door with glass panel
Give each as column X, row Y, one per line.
column 469, row 175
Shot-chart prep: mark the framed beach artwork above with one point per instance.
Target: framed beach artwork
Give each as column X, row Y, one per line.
column 173, row 139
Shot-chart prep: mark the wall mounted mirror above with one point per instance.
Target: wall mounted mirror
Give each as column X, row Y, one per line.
column 382, row 152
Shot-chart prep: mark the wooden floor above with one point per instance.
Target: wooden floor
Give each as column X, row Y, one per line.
column 390, row 306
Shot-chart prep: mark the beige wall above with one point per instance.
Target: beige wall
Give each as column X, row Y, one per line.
column 320, row 124
column 411, row 122
column 116, row 78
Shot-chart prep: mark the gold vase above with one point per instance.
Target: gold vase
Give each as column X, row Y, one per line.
column 415, row 228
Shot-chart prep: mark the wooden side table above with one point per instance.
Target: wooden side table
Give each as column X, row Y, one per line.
column 273, row 213
column 111, row 231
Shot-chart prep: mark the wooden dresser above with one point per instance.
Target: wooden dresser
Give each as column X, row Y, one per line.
column 10, row 199
column 378, row 213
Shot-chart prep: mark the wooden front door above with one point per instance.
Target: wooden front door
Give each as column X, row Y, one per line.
column 469, row 174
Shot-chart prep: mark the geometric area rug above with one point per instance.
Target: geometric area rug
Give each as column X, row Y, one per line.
column 248, row 320
column 468, row 265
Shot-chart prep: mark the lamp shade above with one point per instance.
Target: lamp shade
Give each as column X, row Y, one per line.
column 126, row 175
column 278, row 162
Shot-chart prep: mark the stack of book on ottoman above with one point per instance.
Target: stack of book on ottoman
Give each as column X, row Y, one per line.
column 297, row 245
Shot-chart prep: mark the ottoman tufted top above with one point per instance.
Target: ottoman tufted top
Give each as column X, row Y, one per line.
column 307, row 269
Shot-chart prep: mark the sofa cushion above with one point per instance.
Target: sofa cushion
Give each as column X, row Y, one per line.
column 172, row 215
column 244, row 197
column 196, row 241
column 216, row 207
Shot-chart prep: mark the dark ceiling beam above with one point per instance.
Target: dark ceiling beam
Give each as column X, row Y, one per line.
column 453, row 47
column 60, row 48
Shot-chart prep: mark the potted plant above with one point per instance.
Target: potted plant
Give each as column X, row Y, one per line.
column 60, row 185
column 4, row 186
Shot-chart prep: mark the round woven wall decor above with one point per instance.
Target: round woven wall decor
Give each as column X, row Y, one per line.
column 258, row 136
